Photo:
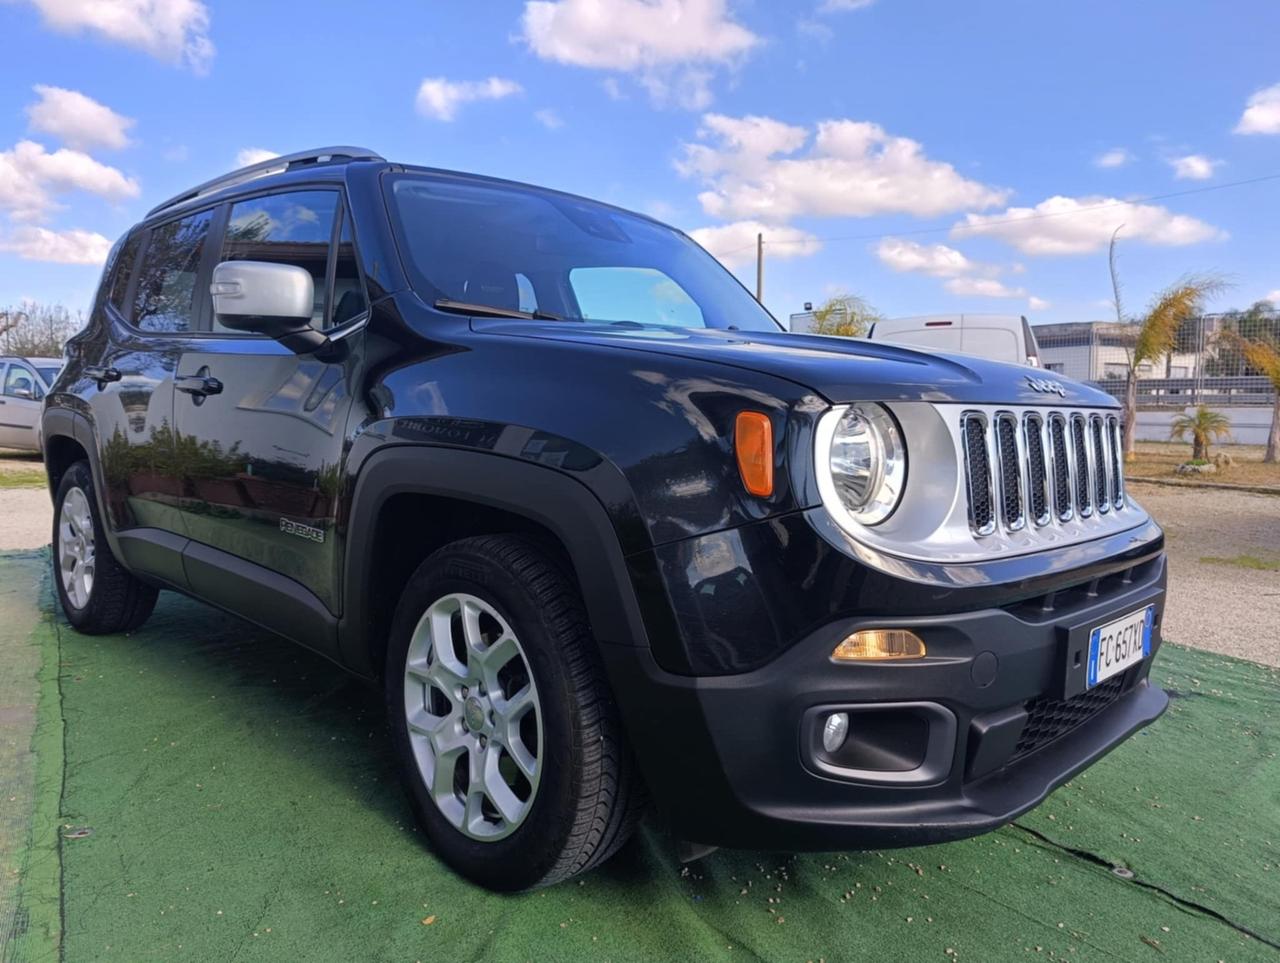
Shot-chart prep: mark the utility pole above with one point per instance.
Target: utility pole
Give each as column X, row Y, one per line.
column 760, row 268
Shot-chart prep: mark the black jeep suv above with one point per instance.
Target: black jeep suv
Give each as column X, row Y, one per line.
column 602, row 530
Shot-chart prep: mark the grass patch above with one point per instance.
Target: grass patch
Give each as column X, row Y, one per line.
column 1156, row 459
column 1246, row 561
column 23, row 478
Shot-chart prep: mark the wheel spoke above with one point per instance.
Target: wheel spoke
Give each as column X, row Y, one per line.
column 504, row 800
column 522, row 757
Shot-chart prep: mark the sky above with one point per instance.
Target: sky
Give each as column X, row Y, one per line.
column 927, row 155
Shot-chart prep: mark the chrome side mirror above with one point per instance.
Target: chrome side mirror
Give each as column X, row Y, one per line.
column 260, row 297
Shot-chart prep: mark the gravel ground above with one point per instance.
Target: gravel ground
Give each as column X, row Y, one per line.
column 26, row 517
column 1224, row 606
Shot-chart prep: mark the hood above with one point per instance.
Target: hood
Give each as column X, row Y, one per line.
column 839, row 369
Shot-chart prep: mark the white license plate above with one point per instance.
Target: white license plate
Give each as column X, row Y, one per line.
column 1117, row 645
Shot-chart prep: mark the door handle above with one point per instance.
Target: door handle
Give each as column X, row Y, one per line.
column 198, row 385
column 102, row 375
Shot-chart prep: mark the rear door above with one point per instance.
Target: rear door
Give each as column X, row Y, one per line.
column 20, row 397
column 259, row 429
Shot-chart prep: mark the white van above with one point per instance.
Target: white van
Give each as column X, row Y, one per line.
column 1000, row 337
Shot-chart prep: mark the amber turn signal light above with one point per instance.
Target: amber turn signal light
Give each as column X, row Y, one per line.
column 753, row 441
column 872, row 644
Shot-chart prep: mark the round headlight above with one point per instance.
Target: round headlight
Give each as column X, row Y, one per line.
column 868, row 463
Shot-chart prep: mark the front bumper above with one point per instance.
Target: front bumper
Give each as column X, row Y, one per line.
column 730, row 759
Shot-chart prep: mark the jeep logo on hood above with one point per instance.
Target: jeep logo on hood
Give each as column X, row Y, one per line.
column 1047, row 386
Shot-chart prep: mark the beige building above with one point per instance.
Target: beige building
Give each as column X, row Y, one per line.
column 1095, row 351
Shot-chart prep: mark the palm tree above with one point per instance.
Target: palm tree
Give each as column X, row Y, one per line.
column 1154, row 334
column 1202, row 426
column 846, row 315
column 1263, row 353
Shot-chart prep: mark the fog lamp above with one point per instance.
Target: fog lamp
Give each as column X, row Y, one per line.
column 834, row 731
column 872, row 644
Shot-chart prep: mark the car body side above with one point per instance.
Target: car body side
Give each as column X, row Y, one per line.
column 611, row 447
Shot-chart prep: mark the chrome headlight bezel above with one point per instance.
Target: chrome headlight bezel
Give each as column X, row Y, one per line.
column 886, row 459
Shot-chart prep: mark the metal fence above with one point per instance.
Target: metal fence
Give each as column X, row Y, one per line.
column 1239, row 390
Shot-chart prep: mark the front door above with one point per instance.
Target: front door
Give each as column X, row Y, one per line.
column 260, row 430
column 20, row 397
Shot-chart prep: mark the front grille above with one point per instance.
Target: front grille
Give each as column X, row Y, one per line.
column 1084, row 482
column 1062, row 470
column 978, row 474
column 1117, row 476
column 1049, row 719
column 1010, row 472
column 1101, row 463
column 1037, row 470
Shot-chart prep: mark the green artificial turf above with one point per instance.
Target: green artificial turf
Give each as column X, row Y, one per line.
column 242, row 805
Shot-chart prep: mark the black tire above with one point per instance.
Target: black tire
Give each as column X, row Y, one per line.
column 117, row 601
column 589, row 799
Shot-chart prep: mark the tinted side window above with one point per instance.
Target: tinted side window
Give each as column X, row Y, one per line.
column 348, row 293
column 167, row 296
column 122, row 274
column 292, row 229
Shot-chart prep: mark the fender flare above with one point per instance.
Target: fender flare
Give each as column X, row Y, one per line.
column 563, row 505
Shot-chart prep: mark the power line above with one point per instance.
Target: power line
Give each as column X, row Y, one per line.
column 1013, row 220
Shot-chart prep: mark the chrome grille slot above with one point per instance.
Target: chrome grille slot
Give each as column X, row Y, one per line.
column 1082, row 470
column 1101, row 465
column 1011, row 514
column 977, row 473
column 1117, row 473
column 1063, row 505
column 1037, row 469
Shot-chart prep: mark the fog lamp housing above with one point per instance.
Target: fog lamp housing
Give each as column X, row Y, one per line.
column 872, row 645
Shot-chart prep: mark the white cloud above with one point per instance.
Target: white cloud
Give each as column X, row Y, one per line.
column 1083, row 225
column 30, row 176
column 548, row 118
column 1193, row 167
column 983, row 288
column 1273, row 297
column 735, row 244
column 1037, row 304
column 670, row 45
column 837, row 6
column 61, row 247
column 77, row 120
column 176, row 31
column 1261, row 113
column 851, row 169
column 936, row 260
column 248, row 156
column 440, row 99
column 1116, row 157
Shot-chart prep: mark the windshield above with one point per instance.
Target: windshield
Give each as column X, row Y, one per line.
column 523, row 249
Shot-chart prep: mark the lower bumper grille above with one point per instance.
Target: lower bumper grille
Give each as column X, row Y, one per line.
column 1047, row 719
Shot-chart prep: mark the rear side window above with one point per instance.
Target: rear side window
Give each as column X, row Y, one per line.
column 166, row 297
column 122, row 274
column 294, row 228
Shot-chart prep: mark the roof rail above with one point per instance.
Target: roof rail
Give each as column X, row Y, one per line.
column 318, row 155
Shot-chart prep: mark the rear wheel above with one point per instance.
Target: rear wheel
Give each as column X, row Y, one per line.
column 508, row 740
column 97, row 594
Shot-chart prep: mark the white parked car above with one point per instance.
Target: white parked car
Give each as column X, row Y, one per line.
column 23, row 384
column 1000, row 337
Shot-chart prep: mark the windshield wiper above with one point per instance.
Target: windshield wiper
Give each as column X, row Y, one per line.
column 492, row 311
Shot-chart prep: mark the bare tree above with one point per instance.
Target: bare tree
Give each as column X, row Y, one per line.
column 35, row 330
column 1154, row 334
column 846, row 315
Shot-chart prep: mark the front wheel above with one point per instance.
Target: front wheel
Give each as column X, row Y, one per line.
column 508, row 741
column 97, row 594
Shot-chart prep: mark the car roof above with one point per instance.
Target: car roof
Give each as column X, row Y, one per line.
column 30, row 360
